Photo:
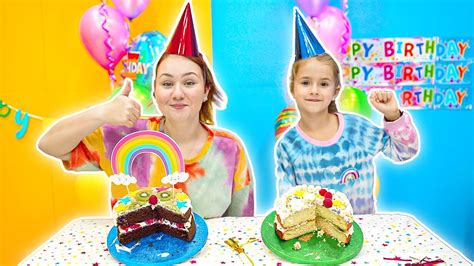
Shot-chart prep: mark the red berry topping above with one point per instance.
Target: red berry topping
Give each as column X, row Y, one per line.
column 322, row 192
column 153, row 200
column 135, row 226
column 327, row 203
column 328, row 195
column 125, row 228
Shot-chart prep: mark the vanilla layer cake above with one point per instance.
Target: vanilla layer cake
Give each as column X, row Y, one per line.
column 304, row 209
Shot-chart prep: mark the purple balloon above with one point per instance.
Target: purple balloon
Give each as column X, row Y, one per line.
column 105, row 32
column 131, row 8
column 312, row 7
column 334, row 30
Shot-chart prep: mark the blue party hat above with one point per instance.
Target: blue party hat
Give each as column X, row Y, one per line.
column 306, row 43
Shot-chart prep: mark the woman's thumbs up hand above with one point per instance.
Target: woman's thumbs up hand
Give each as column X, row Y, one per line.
column 122, row 109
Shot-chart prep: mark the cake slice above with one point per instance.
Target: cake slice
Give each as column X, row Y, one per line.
column 150, row 210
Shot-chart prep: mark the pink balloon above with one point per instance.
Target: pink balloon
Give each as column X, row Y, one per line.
column 105, row 34
column 131, row 8
column 334, row 30
column 312, row 7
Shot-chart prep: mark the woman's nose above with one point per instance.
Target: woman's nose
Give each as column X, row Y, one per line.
column 178, row 92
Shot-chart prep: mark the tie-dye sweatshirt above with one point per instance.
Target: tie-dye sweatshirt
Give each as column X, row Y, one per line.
column 220, row 177
column 345, row 162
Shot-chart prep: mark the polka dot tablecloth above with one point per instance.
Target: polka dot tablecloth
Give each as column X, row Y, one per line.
column 391, row 238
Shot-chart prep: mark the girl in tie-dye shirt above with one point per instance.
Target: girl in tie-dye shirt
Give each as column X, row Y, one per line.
column 336, row 150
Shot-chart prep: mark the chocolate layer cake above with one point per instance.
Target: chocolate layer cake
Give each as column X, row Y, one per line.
column 150, row 210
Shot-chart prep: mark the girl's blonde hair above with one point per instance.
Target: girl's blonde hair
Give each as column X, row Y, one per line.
column 206, row 114
column 323, row 58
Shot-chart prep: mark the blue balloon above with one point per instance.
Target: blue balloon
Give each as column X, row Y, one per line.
column 149, row 45
column 143, row 53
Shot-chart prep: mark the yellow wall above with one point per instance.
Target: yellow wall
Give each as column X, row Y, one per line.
column 46, row 71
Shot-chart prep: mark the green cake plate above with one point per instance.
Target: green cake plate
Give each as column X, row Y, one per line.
column 319, row 250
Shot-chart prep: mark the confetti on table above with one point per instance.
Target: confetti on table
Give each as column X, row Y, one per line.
column 385, row 236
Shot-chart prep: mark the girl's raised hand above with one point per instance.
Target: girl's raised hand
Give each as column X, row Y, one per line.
column 384, row 101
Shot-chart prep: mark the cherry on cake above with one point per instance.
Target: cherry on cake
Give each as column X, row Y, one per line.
column 304, row 209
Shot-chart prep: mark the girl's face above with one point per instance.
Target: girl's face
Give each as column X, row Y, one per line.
column 180, row 88
column 314, row 86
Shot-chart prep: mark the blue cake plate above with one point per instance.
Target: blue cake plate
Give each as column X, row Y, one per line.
column 159, row 248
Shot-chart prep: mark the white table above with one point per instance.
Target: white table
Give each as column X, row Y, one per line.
column 389, row 238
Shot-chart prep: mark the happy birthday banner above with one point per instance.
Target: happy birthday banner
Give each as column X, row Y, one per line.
column 21, row 118
column 426, row 73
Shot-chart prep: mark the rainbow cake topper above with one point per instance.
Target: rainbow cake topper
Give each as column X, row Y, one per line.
column 123, row 179
column 146, row 141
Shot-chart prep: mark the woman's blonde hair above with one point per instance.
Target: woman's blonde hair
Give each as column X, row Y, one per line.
column 323, row 58
column 206, row 114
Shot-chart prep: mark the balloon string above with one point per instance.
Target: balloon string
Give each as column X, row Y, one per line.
column 345, row 36
column 124, row 65
column 345, row 6
column 124, row 70
column 108, row 43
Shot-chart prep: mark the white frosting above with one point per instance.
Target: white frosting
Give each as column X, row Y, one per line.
column 350, row 232
column 295, row 200
column 187, row 225
column 304, row 196
column 296, row 204
column 119, row 247
column 279, row 226
column 283, row 230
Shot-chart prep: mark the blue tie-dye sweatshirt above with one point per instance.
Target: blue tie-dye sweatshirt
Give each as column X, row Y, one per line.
column 345, row 162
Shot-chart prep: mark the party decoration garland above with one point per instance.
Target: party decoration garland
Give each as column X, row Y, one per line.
column 21, row 118
column 108, row 42
column 425, row 73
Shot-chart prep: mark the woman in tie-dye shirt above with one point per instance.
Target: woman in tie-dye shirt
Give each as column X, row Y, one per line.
column 221, row 180
column 336, row 150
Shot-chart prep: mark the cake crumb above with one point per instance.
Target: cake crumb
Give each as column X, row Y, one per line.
column 296, row 245
column 306, row 238
column 320, row 233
